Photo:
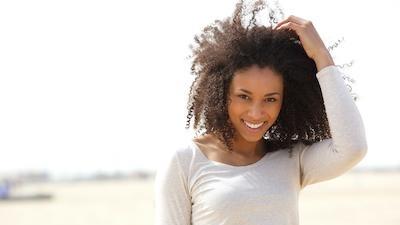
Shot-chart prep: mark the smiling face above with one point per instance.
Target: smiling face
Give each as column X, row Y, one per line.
column 255, row 100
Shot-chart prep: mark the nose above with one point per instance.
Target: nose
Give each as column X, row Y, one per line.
column 256, row 112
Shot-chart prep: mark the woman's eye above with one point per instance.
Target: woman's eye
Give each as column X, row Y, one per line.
column 245, row 97
column 271, row 99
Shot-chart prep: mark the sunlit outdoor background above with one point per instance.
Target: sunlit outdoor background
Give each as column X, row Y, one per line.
column 93, row 98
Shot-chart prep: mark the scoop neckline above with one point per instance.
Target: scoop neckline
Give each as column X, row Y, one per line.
column 221, row 164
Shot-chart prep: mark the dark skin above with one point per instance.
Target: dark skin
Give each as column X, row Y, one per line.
column 259, row 108
column 255, row 99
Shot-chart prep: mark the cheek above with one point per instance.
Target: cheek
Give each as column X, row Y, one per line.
column 234, row 109
column 279, row 107
column 276, row 110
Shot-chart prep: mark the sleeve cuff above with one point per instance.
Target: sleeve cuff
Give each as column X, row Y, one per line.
column 332, row 69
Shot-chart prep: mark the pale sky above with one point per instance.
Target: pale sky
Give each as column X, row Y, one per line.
column 102, row 85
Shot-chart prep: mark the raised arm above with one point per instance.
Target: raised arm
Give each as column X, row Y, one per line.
column 332, row 157
column 172, row 199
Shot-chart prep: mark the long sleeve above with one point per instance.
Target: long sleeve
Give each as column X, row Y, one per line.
column 332, row 157
column 172, row 199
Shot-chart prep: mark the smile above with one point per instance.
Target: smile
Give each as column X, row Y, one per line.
column 253, row 125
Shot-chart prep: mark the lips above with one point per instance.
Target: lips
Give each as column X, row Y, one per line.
column 253, row 127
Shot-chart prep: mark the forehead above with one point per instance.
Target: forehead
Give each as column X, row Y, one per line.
column 257, row 79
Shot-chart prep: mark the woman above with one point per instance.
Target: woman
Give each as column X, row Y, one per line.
column 273, row 116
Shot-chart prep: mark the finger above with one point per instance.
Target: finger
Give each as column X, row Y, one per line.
column 291, row 26
column 297, row 19
column 280, row 23
column 293, row 19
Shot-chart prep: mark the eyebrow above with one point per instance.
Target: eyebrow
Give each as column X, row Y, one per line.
column 269, row 94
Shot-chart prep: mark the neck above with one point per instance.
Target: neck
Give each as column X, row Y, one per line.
column 248, row 149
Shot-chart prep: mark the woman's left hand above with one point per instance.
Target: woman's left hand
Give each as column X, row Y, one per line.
column 309, row 38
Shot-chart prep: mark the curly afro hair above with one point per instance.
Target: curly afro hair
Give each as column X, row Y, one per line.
column 228, row 46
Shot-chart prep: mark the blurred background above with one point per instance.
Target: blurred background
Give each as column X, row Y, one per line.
column 93, row 97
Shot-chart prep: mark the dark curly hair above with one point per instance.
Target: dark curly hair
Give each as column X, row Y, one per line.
column 231, row 45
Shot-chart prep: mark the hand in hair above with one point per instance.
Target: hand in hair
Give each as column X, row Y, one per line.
column 310, row 39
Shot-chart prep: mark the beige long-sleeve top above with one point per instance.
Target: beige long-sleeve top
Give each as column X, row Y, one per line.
column 191, row 189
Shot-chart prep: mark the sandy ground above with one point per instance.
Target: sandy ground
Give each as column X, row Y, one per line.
column 354, row 198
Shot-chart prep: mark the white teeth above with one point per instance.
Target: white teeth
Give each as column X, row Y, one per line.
column 254, row 126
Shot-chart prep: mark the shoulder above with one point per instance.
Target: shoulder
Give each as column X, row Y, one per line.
column 296, row 150
column 177, row 155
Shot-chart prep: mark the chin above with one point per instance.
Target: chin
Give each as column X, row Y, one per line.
column 252, row 139
column 256, row 137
